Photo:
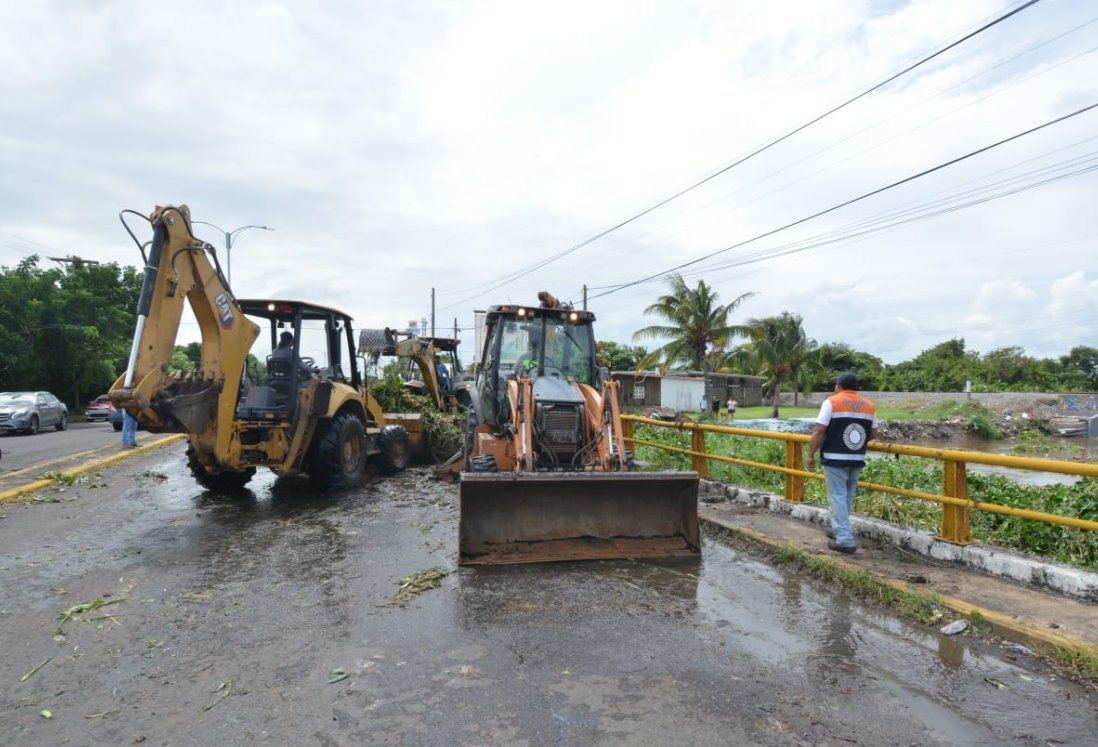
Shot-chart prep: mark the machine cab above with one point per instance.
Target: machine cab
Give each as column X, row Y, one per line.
column 303, row 341
column 554, row 347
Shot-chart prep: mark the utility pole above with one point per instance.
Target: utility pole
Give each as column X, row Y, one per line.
column 432, row 312
column 585, row 296
column 455, row 327
column 229, row 236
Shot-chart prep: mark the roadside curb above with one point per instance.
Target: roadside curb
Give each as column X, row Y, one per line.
column 1002, row 625
column 89, row 466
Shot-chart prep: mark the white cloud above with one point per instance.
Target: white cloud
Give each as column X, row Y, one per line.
column 397, row 147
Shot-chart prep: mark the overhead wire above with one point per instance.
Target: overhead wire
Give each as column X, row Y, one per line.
column 882, row 143
column 504, row 280
column 854, row 200
column 934, row 208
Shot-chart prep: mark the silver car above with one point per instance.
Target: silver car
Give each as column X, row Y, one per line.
column 27, row 412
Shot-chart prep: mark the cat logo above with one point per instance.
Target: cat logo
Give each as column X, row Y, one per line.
column 223, row 306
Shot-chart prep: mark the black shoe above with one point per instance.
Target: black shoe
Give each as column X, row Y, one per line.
column 848, row 549
column 830, row 534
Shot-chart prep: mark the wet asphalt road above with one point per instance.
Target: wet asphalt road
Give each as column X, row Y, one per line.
column 234, row 613
column 48, row 447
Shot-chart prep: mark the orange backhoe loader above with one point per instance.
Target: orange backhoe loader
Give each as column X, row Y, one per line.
column 545, row 474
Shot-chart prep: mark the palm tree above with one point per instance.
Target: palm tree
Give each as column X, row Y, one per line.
column 779, row 350
column 695, row 321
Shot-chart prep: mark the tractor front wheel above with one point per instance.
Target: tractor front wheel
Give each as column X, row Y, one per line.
column 395, row 446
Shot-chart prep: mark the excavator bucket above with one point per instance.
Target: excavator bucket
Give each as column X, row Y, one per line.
column 537, row 517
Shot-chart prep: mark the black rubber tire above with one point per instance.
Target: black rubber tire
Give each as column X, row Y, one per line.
column 339, row 453
column 222, row 482
column 116, row 426
column 63, row 423
column 395, row 446
column 470, row 430
column 32, row 429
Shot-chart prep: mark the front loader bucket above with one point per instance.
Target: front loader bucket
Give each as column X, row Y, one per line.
column 536, row 517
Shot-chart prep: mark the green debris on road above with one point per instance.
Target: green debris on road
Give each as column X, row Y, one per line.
column 32, row 672
column 224, row 690
column 78, row 609
column 414, row 585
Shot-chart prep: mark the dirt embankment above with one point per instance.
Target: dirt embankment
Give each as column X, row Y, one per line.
column 1010, row 414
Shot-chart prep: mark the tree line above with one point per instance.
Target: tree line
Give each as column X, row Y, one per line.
column 698, row 335
column 68, row 330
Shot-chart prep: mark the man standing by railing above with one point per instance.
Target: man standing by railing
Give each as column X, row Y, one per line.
column 844, row 426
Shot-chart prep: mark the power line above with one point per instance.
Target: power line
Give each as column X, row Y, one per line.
column 853, row 200
column 871, row 148
column 761, row 149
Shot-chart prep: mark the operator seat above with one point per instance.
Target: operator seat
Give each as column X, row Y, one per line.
column 279, row 374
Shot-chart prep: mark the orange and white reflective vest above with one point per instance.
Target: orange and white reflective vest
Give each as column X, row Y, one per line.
column 849, row 418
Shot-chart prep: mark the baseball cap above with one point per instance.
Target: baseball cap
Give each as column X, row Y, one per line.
column 847, row 380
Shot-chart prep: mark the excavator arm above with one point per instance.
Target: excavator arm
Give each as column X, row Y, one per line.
column 178, row 268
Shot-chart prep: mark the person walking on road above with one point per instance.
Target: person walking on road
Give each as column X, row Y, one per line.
column 846, row 423
column 129, row 430
column 732, row 408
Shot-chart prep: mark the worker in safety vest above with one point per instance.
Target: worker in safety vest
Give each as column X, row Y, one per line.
column 844, row 426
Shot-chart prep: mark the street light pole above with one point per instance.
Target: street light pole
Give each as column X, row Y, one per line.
column 229, row 236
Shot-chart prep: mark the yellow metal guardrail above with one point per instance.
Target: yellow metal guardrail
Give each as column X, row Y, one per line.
column 954, row 497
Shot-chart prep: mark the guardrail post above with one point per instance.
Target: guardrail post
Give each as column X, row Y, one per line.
column 627, row 431
column 955, row 524
column 794, row 484
column 697, row 444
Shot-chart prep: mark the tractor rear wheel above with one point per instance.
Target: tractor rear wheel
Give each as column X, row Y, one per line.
column 339, row 453
column 221, row 482
column 395, row 446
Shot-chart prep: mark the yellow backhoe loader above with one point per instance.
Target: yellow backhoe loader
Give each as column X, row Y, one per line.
column 424, row 356
column 545, row 474
column 306, row 411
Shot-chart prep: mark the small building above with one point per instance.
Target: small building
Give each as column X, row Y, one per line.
column 684, row 390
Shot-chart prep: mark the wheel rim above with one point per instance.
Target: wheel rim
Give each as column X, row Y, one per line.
column 352, row 453
column 400, row 452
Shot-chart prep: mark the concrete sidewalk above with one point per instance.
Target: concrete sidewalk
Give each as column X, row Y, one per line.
column 1018, row 612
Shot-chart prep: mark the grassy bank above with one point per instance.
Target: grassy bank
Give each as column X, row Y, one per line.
column 1076, row 546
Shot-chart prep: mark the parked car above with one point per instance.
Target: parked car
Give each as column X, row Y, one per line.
column 98, row 409
column 114, row 417
column 29, row 411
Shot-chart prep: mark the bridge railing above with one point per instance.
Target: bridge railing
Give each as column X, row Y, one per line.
column 956, row 504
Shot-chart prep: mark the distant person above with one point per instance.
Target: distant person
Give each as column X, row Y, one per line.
column 129, row 430
column 703, row 405
column 846, row 423
column 732, row 404
column 443, row 375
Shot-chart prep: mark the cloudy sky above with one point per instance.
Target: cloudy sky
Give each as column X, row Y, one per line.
column 400, row 145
